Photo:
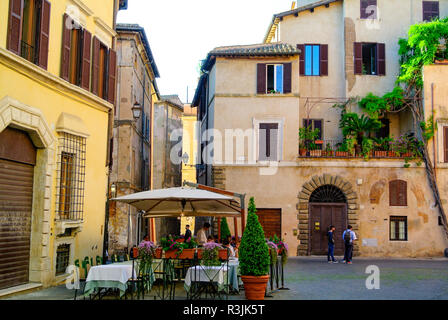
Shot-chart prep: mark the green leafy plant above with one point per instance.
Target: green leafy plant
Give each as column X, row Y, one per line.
column 367, row 147
column 225, row 231
column 253, row 250
column 428, row 128
column 307, row 137
column 383, row 144
column 210, row 255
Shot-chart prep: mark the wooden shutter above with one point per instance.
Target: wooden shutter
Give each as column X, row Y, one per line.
column 324, row 59
column 445, row 143
column 112, row 70
column 287, row 77
column 44, row 35
column 95, row 65
column 66, row 47
column 381, row 59
column 15, row 25
column 301, row 47
column 86, row 58
column 357, row 48
column 398, row 193
column 261, row 78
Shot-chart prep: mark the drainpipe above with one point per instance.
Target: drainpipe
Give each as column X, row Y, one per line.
column 433, row 138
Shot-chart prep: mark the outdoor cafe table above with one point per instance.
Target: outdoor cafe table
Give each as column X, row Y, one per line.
column 112, row 276
column 217, row 274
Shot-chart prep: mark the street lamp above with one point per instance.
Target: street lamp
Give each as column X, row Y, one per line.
column 136, row 111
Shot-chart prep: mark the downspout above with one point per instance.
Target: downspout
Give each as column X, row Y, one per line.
column 433, row 138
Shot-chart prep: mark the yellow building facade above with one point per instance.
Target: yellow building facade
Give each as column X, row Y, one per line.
column 57, row 94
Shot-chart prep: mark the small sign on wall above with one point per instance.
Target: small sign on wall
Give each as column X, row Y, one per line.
column 370, row 242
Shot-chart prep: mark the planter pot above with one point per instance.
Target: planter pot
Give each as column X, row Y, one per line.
column 134, row 253
column 406, row 155
column 392, row 154
column 180, row 240
column 341, row 154
column 174, row 254
column 302, row 152
column 223, row 254
column 315, row 153
column 255, row 287
column 381, row 154
column 158, row 253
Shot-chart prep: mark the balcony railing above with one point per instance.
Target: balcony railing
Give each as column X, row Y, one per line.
column 28, row 52
column 331, row 149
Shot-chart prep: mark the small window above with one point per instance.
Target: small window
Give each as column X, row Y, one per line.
column 369, row 9
column 398, row 196
column 369, row 58
column 384, row 131
column 430, row 10
column 268, row 142
column 62, row 258
column 274, row 78
column 312, row 60
column 398, row 228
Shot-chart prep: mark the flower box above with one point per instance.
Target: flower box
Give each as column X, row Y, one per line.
column 185, row 254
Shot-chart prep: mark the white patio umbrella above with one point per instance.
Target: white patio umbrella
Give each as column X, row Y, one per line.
column 187, row 202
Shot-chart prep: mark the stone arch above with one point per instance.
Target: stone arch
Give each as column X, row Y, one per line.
column 303, row 206
column 26, row 118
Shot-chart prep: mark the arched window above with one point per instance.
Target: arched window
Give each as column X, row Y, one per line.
column 328, row 194
column 398, row 193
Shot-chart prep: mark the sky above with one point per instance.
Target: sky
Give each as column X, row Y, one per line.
column 182, row 32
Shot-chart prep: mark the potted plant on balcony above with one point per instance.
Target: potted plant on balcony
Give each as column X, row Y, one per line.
column 254, row 257
column 342, row 150
column 307, row 138
column 178, row 250
column 328, row 152
column 382, row 147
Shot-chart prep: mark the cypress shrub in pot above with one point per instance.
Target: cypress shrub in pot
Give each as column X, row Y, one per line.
column 254, row 257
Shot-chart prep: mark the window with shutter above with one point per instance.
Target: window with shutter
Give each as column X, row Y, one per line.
column 398, row 193
column 111, row 75
column 369, row 9
column 301, row 47
column 324, row 59
column 312, row 60
column 29, row 30
column 357, row 53
column 287, row 77
column 314, row 124
column 398, row 228
column 370, row 58
column 86, row 60
column 261, row 78
column 66, row 48
column 430, row 10
column 95, row 65
column 381, row 59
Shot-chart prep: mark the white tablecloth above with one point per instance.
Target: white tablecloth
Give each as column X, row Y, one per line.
column 120, row 272
column 206, row 274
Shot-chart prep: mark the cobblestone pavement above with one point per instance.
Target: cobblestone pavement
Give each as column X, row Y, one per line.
column 312, row 278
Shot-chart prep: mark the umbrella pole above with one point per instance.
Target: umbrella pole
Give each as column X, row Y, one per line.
column 219, row 229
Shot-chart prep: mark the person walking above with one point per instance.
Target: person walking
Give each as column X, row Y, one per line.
column 202, row 234
column 330, row 235
column 349, row 237
column 187, row 232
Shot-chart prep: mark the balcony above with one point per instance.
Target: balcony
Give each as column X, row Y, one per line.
column 332, row 149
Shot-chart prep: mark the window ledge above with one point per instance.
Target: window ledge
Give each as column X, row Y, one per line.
column 60, row 226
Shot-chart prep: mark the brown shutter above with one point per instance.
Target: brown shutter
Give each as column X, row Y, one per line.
column 112, row 69
column 324, row 59
column 95, row 65
column 381, row 59
column 358, row 57
column 15, row 25
column 287, row 77
column 398, row 193
column 66, row 47
column 445, row 143
column 301, row 47
column 261, row 78
column 44, row 36
column 86, row 58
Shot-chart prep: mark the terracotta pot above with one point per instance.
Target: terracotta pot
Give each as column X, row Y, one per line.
column 223, row 254
column 315, row 153
column 392, row 154
column 255, row 287
column 406, row 155
column 341, row 154
column 158, row 253
column 180, row 240
column 380, row 154
column 302, row 152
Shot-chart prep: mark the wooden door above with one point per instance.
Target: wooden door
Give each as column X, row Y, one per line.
column 271, row 221
column 322, row 215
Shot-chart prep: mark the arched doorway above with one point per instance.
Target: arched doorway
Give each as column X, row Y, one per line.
column 328, row 206
column 17, row 161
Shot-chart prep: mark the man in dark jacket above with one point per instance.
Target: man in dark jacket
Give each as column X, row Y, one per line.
column 330, row 234
column 187, row 232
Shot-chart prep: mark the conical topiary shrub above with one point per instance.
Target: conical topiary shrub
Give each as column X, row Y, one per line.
column 225, row 231
column 254, row 256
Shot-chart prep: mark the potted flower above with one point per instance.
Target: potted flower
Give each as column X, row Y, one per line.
column 282, row 248
column 178, row 250
column 146, row 251
column 273, row 251
column 307, row 138
column 210, row 254
column 254, row 257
